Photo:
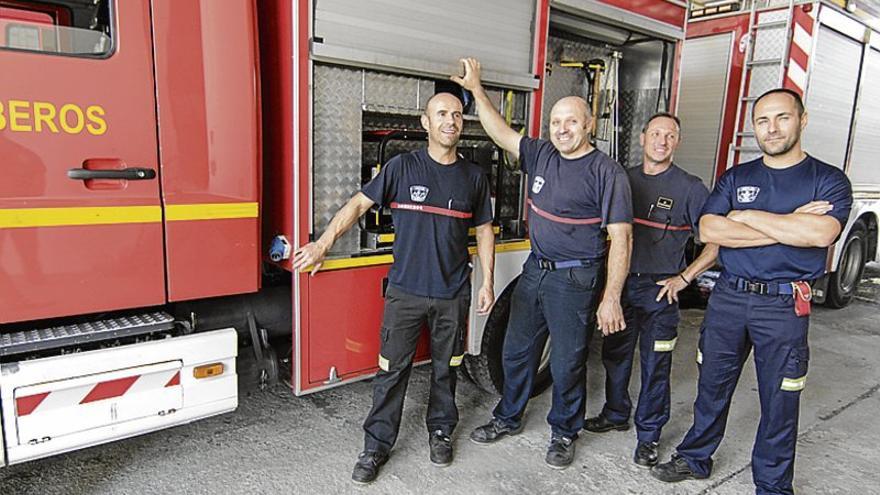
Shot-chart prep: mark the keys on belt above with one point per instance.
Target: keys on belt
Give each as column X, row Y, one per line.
column 559, row 265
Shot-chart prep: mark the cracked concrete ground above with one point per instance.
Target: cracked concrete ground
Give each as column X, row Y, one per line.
column 278, row 443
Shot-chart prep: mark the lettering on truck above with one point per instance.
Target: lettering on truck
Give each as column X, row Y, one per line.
column 41, row 116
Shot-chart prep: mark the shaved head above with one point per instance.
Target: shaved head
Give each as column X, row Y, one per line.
column 447, row 98
column 575, row 104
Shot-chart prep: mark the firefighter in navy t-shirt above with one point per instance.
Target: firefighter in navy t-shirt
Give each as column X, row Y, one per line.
column 435, row 197
column 774, row 219
column 667, row 202
column 576, row 194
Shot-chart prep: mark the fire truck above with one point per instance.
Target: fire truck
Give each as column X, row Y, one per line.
column 828, row 52
column 161, row 159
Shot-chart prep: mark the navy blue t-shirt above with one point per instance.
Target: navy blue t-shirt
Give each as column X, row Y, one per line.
column 755, row 186
column 571, row 201
column 433, row 206
column 666, row 212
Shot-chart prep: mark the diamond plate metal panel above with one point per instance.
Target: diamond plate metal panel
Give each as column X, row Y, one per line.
column 426, row 91
column 763, row 78
column 635, row 109
column 336, row 147
column 391, row 90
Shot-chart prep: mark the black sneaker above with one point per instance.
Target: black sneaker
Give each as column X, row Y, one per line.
column 493, row 431
column 367, row 467
column 600, row 424
column 676, row 469
column 646, row 454
column 560, row 453
column 440, row 446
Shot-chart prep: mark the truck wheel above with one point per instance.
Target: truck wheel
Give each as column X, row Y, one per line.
column 843, row 283
column 485, row 369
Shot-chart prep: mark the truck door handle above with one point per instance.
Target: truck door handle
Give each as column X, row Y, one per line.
column 124, row 174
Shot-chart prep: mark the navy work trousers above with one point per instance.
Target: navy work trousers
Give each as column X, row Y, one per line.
column 654, row 325
column 559, row 303
column 736, row 322
column 402, row 322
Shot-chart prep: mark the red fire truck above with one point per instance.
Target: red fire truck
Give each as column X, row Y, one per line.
column 161, row 158
column 829, row 52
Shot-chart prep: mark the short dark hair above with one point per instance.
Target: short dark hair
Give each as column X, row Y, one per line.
column 798, row 101
column 662, row 115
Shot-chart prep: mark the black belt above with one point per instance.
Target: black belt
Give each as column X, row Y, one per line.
column 758, row 287
column 560, row 265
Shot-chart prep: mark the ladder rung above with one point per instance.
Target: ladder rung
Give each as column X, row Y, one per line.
column 747, row 148
column 771, row 24
column 745, row 134
column 765, row 61
column 749, row 99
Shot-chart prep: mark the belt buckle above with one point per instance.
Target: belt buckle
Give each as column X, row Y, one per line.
column 759, row 288
column 545, row 264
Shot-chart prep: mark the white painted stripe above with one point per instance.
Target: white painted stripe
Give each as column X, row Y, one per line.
column 802, row 39
column 797, row 74
column 152, row 381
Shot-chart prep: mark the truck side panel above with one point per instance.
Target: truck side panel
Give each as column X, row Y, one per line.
column 207, row 86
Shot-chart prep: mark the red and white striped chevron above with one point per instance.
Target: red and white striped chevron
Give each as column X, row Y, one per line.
column 89, row 393
column 803, row 24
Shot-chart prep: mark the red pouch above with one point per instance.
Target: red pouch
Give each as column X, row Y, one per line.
column 803, row 294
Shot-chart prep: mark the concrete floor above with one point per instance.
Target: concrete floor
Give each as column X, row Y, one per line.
column 278, row 443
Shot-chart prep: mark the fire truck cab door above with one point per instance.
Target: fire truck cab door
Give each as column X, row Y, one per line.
column 80, row 212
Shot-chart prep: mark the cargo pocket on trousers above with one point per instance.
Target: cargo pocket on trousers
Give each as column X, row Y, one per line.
column 794, row 377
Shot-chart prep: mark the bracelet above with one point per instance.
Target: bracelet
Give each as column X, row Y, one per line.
column 685, row 280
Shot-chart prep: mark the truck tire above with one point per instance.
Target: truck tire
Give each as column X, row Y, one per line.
column 485, row 369
column 844, row 282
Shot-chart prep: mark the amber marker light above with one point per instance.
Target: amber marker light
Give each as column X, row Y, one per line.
column 208, row 370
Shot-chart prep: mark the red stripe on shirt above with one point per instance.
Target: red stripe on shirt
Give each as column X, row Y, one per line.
column 661, row 226
column 432, row 209
column 565, row 220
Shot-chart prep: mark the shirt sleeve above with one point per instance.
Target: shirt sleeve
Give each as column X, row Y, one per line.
column 836, row 188
column 616, row 196
column 483, row 203
column 697, row 197
column 529, row 149
column 382, row 187
column 720, row 200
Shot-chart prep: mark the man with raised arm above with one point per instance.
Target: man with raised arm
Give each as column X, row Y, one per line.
column 577, row 194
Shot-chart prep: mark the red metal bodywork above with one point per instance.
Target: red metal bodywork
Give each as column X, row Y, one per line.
column 659, row 10
column 76, row 269
column 209, row 135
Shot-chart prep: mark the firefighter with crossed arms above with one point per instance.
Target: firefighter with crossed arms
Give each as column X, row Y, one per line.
column 774, row 218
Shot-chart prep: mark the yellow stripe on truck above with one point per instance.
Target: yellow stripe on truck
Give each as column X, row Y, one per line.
column 211, row 211
column 91, row 215
column 110, row 215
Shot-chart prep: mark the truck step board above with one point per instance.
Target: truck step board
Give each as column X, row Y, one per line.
column 93, row 331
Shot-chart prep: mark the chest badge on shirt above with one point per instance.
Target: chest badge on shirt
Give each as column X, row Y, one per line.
column 747, row 194
column 664, row 203
column 418, row 193
column 538, row 184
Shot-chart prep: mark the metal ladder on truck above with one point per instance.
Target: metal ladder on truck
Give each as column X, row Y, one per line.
column 767, row 51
